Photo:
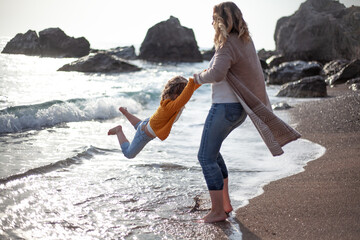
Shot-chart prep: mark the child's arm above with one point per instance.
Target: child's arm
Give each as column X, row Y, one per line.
column 185, row 96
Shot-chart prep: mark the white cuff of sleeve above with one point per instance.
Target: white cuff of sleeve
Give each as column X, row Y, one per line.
column 197, row 79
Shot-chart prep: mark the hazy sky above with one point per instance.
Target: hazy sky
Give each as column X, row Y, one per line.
column 112, row 23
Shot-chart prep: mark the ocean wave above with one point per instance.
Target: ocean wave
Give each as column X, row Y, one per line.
column 49, row 114
column 87, row 154
column 163, row 166
column 144, row 97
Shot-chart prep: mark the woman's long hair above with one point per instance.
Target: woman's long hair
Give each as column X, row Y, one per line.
column 227, row 18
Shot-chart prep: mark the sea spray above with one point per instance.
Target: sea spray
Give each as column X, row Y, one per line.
column 15, row 119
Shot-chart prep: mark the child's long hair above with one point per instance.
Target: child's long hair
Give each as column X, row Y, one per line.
column 227, row 18
column 174, row 88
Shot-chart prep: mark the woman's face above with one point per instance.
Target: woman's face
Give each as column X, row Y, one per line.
column 213, row 22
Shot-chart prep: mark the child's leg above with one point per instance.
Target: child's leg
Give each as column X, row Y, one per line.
column 130, row 117
column 120, row 134
column 130, row 150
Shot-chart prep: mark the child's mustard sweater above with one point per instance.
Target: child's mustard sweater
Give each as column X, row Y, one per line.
column 163, row 119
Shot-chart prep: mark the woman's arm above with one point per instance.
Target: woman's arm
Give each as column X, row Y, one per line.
column 221, row 64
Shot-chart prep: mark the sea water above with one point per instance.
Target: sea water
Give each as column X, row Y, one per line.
column 62, row 177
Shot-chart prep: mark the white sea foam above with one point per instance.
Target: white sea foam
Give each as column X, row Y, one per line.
column 31, row 117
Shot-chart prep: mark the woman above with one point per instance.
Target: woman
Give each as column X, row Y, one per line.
column 238, row 90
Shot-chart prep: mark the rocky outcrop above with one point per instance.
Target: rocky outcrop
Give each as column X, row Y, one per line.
column 346, row 72
column 354, row 84
column 355, row 87
column 265, row 54
column 280, row 106
column 304, row 88
column 276, row 60
column 334, row 66
column 55, row 43
column 24, row 43
column 321, row 30
column 208, row 54
column 168, row 41
column 127, row 52
column 100, row 63
column 292, row 71
column 51, row 42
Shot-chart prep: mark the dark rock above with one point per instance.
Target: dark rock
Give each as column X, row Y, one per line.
column 349, row 71
column 263, row 55
column 208, row 54
column 27, row 43
column 276, row 60
column 101, row 63
column 355, row 87
column 168, row 41
column 280, row 106
column 308, row 87
column 354, row 84
column 352, row 81
column 321, row 30
column 292, row 71
column 334, row 66
column 127, row 52
column 264, row 65
column 55, row 43
column 52, row 42
column 266, row 54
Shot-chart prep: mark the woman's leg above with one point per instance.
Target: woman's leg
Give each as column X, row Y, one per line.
column 217, row 213
column 130, row 117
column 221, row 120
column 227, row 203
column 226, row 197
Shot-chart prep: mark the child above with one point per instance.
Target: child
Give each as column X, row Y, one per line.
column 177, row 92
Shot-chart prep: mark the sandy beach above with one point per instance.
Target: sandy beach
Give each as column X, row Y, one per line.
column 323, row 202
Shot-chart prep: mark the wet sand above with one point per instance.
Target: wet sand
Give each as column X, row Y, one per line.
column 323, row 202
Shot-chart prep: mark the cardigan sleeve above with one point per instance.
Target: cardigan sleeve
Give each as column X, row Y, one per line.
column 221, row 63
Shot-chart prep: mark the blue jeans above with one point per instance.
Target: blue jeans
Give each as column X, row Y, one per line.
column 130, row 150
column 221, row 120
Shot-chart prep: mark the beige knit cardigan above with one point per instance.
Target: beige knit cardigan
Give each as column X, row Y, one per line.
column 237, row 62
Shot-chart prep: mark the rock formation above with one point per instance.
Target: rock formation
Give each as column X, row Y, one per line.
column 55, row 43
column 280, row 106
column 208, row 54
column 347, row 72
column 321, row 30
column 334, row 66
column 304, row 88
column 292, row 71
column 168, row 41
column 101, row 63
column 51, row 42
column 354, row 84
column 27, row 43
column 127, row 52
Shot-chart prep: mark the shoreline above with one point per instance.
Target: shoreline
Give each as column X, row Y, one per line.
column 321, row 202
